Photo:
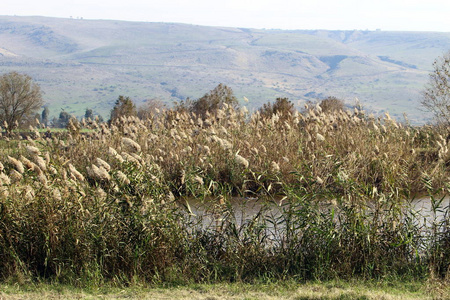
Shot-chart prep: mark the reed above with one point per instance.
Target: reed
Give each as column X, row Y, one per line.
column 104, row 205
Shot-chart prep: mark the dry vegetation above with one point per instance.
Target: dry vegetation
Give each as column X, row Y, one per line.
column 103, row 205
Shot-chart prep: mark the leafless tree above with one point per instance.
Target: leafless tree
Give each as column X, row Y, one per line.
column 436, row 96
column 20, row 98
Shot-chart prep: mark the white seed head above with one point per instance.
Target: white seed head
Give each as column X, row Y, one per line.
column 241, row 161
column 16, row 164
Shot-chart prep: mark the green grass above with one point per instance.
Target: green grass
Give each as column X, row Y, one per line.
column 287, row 289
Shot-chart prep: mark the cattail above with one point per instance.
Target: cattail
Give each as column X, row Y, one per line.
column 17, row 164
column 75, row 173
column 241, row 161
column 131, row 144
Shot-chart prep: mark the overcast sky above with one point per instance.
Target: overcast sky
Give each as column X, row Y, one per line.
column 412, row 15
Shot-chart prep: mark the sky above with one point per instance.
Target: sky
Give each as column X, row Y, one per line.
column 402, row 15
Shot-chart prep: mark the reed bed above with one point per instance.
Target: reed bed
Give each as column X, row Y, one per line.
column 103, row 205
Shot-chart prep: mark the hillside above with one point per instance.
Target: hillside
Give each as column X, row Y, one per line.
column 87, row 64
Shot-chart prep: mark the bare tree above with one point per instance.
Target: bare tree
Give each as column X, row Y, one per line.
column 20, row 98
column 151, row 108
column 436, row 96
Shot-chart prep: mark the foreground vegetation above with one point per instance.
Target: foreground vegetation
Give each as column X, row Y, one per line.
column 106, row 205
column 287, row 289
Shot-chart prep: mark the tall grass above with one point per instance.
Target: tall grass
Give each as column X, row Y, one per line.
column 103, row 205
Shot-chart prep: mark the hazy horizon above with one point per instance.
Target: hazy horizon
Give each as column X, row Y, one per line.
column 394, row 15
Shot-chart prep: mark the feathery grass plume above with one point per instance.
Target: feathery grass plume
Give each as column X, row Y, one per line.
column 274, row 167
column 319, row 180
column 15, row 176
column 376, row 150
column 56, row 194
column 99, row 173
column 75, row 172
column 241, row 161
column 33, row 150
column 224, row 144
column 1, row 167
column 131, row 144
column 4, row 179
column 113, row 153
column 42, row 178
column 40, row 162
column 101, row 163
column 16, row 164
column 198, row 179
column 264, row 150
column 27, row 163
column 320, row 137
column 29, row 193
column 122, row 178
column 101, row 194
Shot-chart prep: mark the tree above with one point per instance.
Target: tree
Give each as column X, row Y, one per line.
column 89, row 114
column 331, row 104
column 150, row 108
column 44, row 116
column 63, row 120
column 282, row 106
column 436, row 96
column 214, row 100
column 20, row 98
column 124, row 106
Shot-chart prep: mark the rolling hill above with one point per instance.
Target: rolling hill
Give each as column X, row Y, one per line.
column 83, row 64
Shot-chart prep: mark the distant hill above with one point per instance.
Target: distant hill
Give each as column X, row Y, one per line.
column 87, row 64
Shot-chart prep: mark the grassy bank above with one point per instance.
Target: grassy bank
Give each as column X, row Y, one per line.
column 275, row 290
column 103, row 206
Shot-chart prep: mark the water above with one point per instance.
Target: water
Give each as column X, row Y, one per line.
column 212, row 212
